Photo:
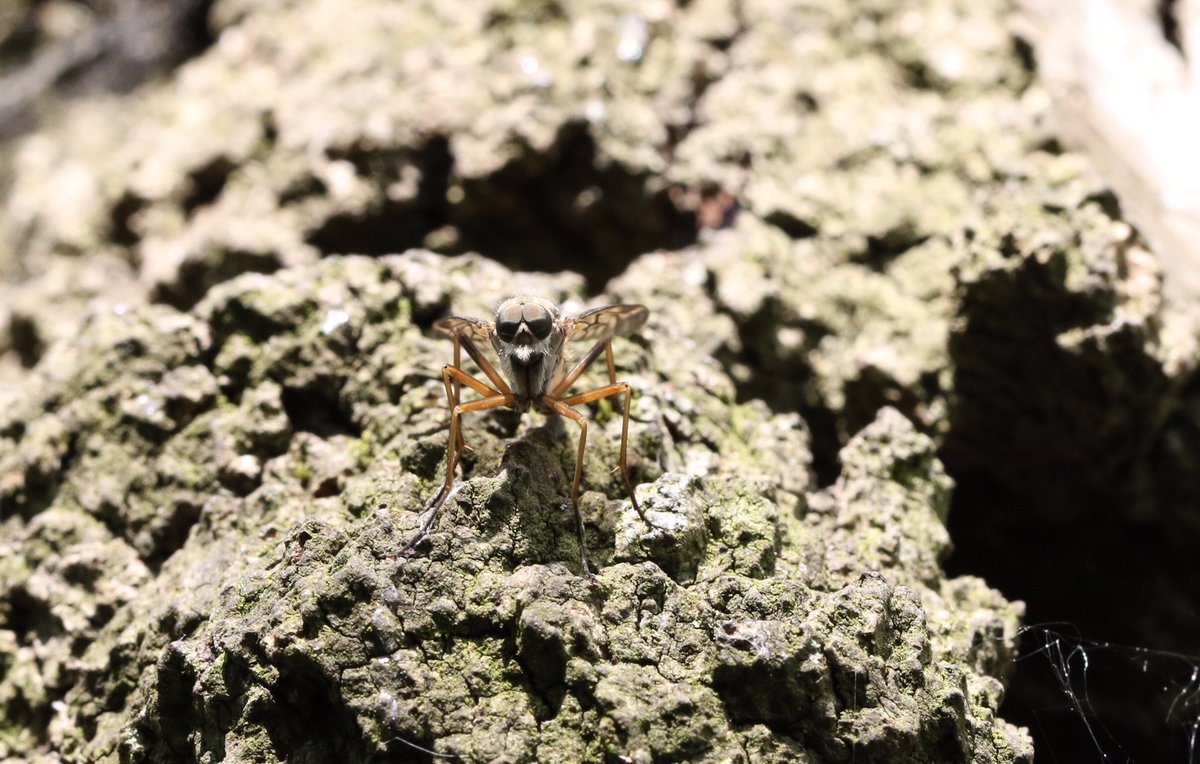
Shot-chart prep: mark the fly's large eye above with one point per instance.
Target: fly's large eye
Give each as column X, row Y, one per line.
column 540, row 326
column 506, row 330
column 511, row 313
column 508, row 320
column 538, row 320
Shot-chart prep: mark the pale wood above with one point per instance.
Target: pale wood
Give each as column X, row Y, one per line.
column 1128, row 97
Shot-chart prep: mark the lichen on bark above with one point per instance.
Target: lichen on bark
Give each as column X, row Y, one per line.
column 265, row 607
column 233, row 419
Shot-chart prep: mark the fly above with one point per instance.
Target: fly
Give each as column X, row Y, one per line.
column 529, row 335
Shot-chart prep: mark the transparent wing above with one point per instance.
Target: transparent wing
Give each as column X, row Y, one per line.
column 603, row 323
column 472, row 328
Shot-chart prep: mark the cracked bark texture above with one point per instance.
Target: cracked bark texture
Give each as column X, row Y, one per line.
column 864, row 256
column 204, row 512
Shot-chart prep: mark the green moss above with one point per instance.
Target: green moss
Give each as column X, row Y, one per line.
column 362, row 449
column 302, row 471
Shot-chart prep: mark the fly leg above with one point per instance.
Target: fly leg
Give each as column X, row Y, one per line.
column 563, row 406
column 622, row 467
column 492, row 399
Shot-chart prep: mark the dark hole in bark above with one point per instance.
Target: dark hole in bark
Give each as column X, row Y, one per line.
column 557, row 209
column 1062, row 500
column 318, row 411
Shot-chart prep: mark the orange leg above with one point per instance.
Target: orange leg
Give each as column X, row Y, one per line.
column 484, row 366
column 582, row 366
column 462, row 342
column 607, row 391
column 581, row 420
column 452, row 451
column 456, row 374
column 452, row 390
column 562, row 406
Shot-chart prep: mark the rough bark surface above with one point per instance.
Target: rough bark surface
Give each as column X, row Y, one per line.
column 205, row 512
column 222, row 412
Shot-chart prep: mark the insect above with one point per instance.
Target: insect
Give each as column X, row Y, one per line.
column 530, row 339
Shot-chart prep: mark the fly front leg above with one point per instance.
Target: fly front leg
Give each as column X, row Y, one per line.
column 603, row 346
column 451, row 380
column 452, row 375
column 497, row 400
column 451, row 385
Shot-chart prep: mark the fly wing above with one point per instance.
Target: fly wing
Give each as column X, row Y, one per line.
column 606, row 322
column 476, row 338
column 473, row 329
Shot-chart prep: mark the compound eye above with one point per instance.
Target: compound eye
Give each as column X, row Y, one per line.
column 506, row 329
column 511, row 312
column 538, row 319
column 508, row 320
column 540, row 326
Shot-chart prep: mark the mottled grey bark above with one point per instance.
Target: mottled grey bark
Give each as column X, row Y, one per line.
column 222, row 413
